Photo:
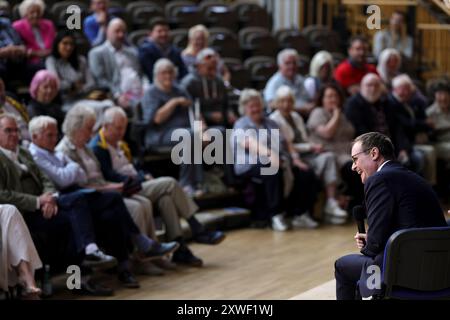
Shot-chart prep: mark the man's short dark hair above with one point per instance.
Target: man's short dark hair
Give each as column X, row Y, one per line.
column 358, row 37
column 377, row 140
column 158, row 22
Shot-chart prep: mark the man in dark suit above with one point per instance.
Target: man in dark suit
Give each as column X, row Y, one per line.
column 395, row 199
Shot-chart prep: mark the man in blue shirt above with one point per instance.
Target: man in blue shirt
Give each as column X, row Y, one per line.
column 94, row 25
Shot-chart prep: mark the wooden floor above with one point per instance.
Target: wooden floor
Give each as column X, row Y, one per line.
column 251, row 264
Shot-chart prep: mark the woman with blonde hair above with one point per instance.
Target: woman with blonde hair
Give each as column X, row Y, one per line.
column 321, row 71
column 198, row 37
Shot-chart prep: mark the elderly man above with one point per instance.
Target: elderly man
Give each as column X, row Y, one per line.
column 409, row 110
column 158, row 46
column 395, row 199
column 115, row 66
column 204, row 84
column 53, row 219
column 165, row 192
column 351, row 71
column 108, row 212
column 288, row 75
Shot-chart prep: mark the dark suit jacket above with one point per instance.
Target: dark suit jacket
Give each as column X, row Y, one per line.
column 395, row 199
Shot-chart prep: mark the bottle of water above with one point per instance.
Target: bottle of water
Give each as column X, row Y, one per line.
column 47, row 286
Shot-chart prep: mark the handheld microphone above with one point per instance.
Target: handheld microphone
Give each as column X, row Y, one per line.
column 359, row 214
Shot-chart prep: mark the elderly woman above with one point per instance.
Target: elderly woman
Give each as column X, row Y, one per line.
column 321, row 71
column 294, row 131
column 197, row 41
column 19, row 258
column 261, row 156
column 78, row 128
column 44, row 96
column 329, row 127
column 389, row 64
column 37, row 33
column 165, row 109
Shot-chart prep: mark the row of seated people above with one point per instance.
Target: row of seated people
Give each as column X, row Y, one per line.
column 205, row 83
column 76, row 216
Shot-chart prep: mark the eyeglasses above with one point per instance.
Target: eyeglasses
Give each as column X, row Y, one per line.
column 354, row 157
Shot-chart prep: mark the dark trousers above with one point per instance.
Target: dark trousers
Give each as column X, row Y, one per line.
column 267, row 190
column 347, row 271
column 110, row 221
column 304, row 192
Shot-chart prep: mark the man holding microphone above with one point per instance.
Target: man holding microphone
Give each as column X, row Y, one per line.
column 395, row 199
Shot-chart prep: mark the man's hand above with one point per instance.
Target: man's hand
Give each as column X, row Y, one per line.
column 183, row 102
column 361, row 240
column 49, row 211
column 317, row 148
column 300, row 164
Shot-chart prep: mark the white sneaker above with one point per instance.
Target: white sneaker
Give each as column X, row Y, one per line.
column 332, row 208
column 304, row 221
column 335, row 220
column 279, row 223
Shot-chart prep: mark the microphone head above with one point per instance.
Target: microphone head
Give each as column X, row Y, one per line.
column 359, row 213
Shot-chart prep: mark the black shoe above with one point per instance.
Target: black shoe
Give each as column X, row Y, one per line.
column 128, row 280
column 160, row 250
column 98, row 259
column 185, row 256
column 210, row 237
column 91, row 288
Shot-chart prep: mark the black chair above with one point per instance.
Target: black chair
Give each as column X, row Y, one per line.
column 138, row 36
column 179, row 37
column 250, row 14
column 417, row 264
column 225, row 42
column 295, row 39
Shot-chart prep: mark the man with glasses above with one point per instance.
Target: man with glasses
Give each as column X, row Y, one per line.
column 395, row 199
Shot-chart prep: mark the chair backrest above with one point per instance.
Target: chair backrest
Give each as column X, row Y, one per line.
column 418, row 260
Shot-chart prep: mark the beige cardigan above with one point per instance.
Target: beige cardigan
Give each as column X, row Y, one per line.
column 288, row 132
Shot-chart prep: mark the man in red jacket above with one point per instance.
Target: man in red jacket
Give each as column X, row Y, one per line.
column 351, row 71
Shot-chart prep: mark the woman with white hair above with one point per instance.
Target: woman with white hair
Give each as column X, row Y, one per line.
column 322, row 162
column 36, row 33
column 165, row 108
column 389, row 63
column 261, row 155
column 18, row 255
column 321, row 71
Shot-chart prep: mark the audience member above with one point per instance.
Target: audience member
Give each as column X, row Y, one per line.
column 389, row 63
column 94, row 25
column 409, row 110
column 165, row 109
column 329, row 127
column 197, row 41
column 108, row 214
column 9, row 104
column 44, row 101
column 165, row 192
column 158, row 46
column 204, row 84
column 322, row 162
column 289, row 187
column 19, row 258
column 350, row 72
column 36, row 32
column 395, row 36
column 115, row 66
column 321, row 70
column 287, row 74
